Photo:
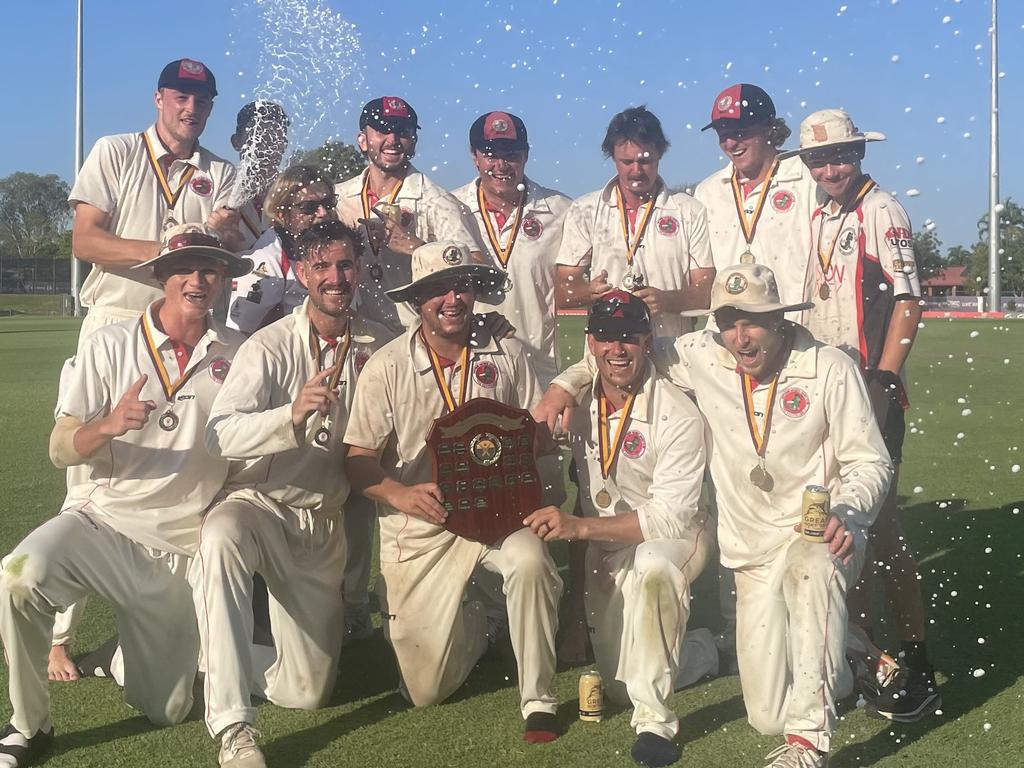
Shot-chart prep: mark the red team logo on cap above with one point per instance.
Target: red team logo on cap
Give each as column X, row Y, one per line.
column 795, row 402
column 192, row 70
column 395, row 107
column 532, row 227
column 202, row 186
column 219, row 368
column 783, row 200
column 486, row 374
column 668, row 225
column 634, row 444
column 499, row 125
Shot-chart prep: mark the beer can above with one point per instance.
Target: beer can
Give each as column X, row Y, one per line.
column 591, row 696
column 814, row 513
column 391, row 211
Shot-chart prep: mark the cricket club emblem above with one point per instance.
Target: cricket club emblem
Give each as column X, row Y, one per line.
column 532, row 227
column 735, row 284
column 201, row 185
column 219, row 368
column 486, row 374
column 795, row 402
column 783, row 200
column 634, row 444
column 668, row 225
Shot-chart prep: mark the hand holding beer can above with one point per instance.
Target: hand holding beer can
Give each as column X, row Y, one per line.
column 815, row 512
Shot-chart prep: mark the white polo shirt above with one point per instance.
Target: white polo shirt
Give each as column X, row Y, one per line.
column 530, row 304
column 150, row 484
column 659, row 468
column 430, row 213
column 118, row 178
column 396, row 403
column 872, row 265
column 782, row 239
column 823, row 432
column 271, row 286
column 251, row 419
column 676, row 241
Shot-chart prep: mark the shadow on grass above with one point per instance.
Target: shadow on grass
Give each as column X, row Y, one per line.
column 968, row 559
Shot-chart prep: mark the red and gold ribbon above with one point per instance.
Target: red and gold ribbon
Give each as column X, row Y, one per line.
column 758, row 433
column 608, row 450
column 170, row 388
column 161, row 177
column 825, row 261
column 442, row 383
column 503, row 254
column 624, row 220
column 749, row 227
column 364, row 198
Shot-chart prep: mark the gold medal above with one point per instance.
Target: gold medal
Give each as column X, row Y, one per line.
column 633, row 281
column 749, row 226
column 824, row 292
column 169, row 421
column 746, row 258
column 603, row 498
column 760, row 478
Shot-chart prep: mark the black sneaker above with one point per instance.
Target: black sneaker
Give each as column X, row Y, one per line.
column 906, row 696
column 17, row 751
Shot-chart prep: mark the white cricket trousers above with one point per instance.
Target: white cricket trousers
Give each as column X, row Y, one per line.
column 638, row 601
column 76, row 554
column 791, row 638
column 438, row 637
column 301, row 556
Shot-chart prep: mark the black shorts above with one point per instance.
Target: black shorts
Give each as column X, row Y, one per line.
column 893, row 426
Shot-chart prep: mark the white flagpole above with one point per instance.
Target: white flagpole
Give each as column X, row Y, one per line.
column 994, row 288
column 75, row 263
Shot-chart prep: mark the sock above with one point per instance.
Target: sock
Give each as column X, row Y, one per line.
column 654, row 751
column 792, row 738
column 541, row 727
column 915, row 655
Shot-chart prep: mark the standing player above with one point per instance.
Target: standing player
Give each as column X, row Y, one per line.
column 759, row 205
column 639, row 441
column 133, row 418
column 441, row 362
column 869, row 305
column 426, row 212
column 521, row 224
column 283, row 411
column 635, row 234
column 785, row 411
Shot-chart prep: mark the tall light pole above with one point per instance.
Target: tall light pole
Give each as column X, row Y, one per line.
column 994, row 288
column 75, row 263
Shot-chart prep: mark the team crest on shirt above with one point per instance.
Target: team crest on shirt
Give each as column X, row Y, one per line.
column 634, row 444
column 201, row 185
column 486, row 374
column 795, row 402
column 406, row 218
column 532, row 227
column 782, row 201
column 848, row 241
column 668, row 225
column 219, row 368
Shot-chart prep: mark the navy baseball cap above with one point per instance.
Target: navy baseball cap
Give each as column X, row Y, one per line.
column 188, row 76
column 388, row 114
column 741, row 106
column 498, row 132
column 618, row 313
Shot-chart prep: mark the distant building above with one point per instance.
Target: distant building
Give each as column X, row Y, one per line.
column 949, row 281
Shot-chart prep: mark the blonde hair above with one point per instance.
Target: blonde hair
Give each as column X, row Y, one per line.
column 288, row 184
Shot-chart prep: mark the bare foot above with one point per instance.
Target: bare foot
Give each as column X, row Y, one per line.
column 61, row 668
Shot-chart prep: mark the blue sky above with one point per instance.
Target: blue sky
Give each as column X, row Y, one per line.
column 915, row 69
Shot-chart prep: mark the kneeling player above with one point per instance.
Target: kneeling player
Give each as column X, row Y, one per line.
column 443, row 360
column 134, row 415
column 639, row 443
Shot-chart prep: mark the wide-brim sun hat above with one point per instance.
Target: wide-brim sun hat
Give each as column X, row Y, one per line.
column 198, row 240
column 830, row 128
column 748, row 288
column 446, row 260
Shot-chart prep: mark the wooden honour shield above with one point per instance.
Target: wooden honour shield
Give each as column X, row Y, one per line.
column 484, row 464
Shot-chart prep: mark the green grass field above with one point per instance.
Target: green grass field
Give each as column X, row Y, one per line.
column 964, row 493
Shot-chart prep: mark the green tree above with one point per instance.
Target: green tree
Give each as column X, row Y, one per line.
column 958, row 256
column 1011, row 251
column 34, row 212
column 927, row 253
column 340, row 160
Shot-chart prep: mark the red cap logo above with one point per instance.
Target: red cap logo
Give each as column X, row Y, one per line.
column 192, row 70
column 727, row 105
column 499, row 125
column 395, row 107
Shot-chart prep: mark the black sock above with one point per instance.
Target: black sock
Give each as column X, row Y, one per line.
column 915, row 656
column 654, row 751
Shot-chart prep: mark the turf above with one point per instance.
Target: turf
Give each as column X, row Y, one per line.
column 961, row 511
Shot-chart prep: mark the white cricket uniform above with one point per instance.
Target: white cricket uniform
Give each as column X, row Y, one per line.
column 530, row 303
column 118, row 179
column 425, row 568
column 254, row 223
column 127, row 530
column 638, row 595
column 281, row 518
column 791, row 594
column 271, row 291
column 430, row 213
column 782, row 239
column 871, row 267
column 674, row 243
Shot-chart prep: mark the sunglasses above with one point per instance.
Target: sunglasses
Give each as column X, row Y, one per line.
column 309, row 207
column 443, row 288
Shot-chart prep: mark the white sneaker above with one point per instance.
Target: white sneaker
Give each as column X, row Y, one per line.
column 238, row 747
column 796, row 756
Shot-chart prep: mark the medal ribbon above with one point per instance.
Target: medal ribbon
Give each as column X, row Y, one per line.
column 750, row 227
column 607, row 450
column 364, row 197
column 624, row 220
column 158, row 171
column 339, row 357
column 503, row 254
column 170, row 390
column 757, row 434
column 442, row 383
column 826, row 261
